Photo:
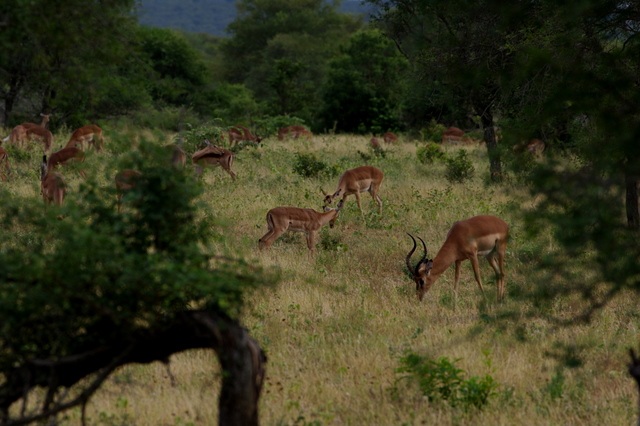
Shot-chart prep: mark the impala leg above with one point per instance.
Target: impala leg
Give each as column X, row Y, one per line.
column 502, row 248
column 455, row 284
column 476, row 272
column 269, row 238
column 494, row 264
column 376, row 197
column 311, row 243
column 357, row 194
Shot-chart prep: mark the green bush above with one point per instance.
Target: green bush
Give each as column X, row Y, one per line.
column 433, row 132
column 459, row 168
column 193, row 137
column 268, row 125
column 430, row 153
column 442, row 380
column 308, row 165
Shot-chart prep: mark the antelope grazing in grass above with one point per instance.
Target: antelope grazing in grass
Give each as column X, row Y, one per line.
column 309, row 221
column 535, row 147
column 213, row 156
column 390, row 138
column 66, row 156
column 294, row 132
column 355, row 181
column 52, row 185
column 375, row 144
column 467, row 239
column 125, row 181
column 90, row 134
column 5, row 169
column 240, row 134
column 22, row 134
column 452, row 134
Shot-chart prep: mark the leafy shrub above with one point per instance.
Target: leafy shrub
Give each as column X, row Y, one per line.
column 433, row 132
column 430, row 153
column 193, row 137
column 442, row 380
column 269, row 125
column 308, row 165
column 459, row 168
column 18, row 155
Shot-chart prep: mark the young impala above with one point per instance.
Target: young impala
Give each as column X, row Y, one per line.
column 467, row 239
column 213, row 156
column 91, row 134
column 355, row 181
column 309, row 221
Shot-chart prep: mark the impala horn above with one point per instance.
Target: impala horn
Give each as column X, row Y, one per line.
column 410, row 254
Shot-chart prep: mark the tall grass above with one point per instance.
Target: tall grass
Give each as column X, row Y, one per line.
column 337, row 326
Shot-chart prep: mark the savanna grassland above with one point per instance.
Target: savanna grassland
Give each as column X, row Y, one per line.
column 336, row 326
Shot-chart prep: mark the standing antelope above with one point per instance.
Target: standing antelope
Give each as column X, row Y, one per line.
column 24, row 132
column 467, row 239
column 452, row 134
column 240, row 133
column 66, row 156
column 52, row 185
column 355, row 181
column 125, row 181
column 390, row 138
column 213, row 156
column 309, row 221
column 90, row 134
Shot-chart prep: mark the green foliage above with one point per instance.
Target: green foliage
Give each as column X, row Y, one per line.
column 459, row 167
column 433, row 132
column 308, row 165
column 269, row 125
column 193, row 137
column 430, row 152
column 442, row 380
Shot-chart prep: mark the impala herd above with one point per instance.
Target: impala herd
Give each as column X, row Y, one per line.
column 483, row 235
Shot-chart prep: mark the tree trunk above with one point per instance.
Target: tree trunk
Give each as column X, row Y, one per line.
column 495, row 165
column 15, row 84
column 632, row 183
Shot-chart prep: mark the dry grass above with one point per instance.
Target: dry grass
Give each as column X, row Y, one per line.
column 335, row 326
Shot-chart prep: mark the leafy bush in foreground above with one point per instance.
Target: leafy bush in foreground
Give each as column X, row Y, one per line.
column 459, row 168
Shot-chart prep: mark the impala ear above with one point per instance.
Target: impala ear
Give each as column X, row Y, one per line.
column 337, row 192
column 322, row 190
column 339, row 206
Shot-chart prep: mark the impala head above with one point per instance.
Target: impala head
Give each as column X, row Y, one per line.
column 421, row 273
column 328, row 198
column 337, row 210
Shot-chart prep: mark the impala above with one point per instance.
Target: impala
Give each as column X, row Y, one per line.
column 375, row 143
column 390, row 138
column 294, row 132
column 52, row 185
column 452, row 134
column 240, row 133
column 213, row 156
column 355, row 181
column 19, row 133
column 4, row 164
column 66, row 156
column 178, row 156
column 309, row 221
column 125, row 181
column 467, row 239
column 90, row 134
column 535, row 147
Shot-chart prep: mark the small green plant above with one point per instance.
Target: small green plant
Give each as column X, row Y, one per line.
column 433, row 132
column 331, row 241
column 555, row 388
column 430, row 152
column 459, row 168
column 193, row 137
column 308, row 165
column 442, row 380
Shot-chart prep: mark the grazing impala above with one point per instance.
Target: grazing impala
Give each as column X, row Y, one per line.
column 309, row 221
column 52, row 185
column 390, row 138
column 375, row 144
column 294, row 132
column 355, row 181
column 535, row 147
column 19, row 134
column 467, row 239
column 125, row 181
column 213, row 156
column 452, row 134
column 66, row 156
column 90, row 134
column 240, row 133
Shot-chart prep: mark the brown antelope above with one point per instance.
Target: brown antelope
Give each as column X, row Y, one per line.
column 52, row 185
column 24, row 132
column 90, row 134
column 213, row 156
column 309, row 221
column 452, row 134
column 375, row 143
column 355, row 181
column 4, row 164
column 390, row 138
column 467, row 239
column 178, row 156
column 294, row 132
column 66, row 156
column 535, row 147
column 240, row 133
column 125, row 181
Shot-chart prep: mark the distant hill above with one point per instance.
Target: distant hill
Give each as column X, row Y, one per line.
column 206, row 16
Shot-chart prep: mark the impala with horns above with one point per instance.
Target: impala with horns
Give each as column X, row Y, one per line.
column 52, row 185
column 240, row 134
column 67, row 156
column 309, row 221
column 126, row 180
column 90, row 134
column 355, row 181
column 467, row 239
column 214, row 157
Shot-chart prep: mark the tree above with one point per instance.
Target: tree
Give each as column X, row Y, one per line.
column 364, row 85
column 81, row 296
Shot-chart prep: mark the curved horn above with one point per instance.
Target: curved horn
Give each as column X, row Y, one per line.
column 410, row 254
column 425, row 250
